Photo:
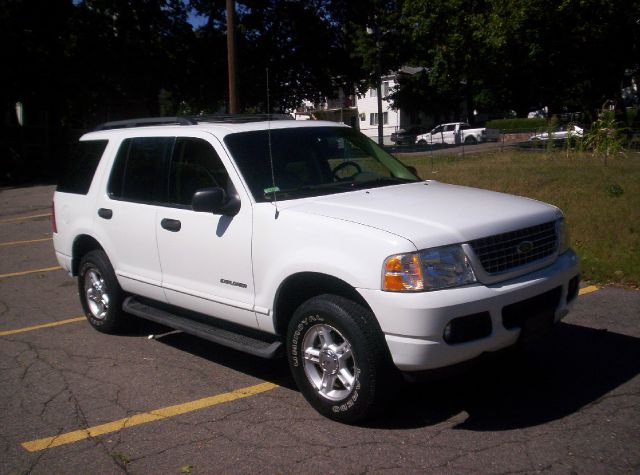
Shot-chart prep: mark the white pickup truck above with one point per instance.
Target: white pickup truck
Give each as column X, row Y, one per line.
column 458, row 133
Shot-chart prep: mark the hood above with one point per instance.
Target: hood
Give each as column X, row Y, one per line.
column 430, row 213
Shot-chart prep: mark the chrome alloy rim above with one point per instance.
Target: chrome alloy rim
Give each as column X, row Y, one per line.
column 96, row 293
column 329, row 362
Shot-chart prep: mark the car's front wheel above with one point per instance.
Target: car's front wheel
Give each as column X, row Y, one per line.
column 338, row 358
column 100, row 294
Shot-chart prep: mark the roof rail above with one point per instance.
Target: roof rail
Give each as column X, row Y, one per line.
column 192, row 120
column 122, row 124
column 240, row 118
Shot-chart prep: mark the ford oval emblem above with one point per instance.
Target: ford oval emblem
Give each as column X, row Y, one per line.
column 525, row 247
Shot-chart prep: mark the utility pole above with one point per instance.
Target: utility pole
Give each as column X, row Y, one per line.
column 378, row 77
column 231, row 56
column 379, row 87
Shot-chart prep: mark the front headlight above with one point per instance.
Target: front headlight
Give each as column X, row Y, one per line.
column 563, row 235
column 430, row 269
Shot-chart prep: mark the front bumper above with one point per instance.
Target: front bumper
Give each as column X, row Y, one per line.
column 413, row 323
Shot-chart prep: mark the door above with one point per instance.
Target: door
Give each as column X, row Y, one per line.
column 436, row 135
column 126, row 215
column 206, row 258
column 449, row 134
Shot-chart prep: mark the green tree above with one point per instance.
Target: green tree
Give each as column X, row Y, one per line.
column 523, row 54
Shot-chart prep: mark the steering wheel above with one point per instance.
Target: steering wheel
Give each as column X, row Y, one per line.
column 343, row 165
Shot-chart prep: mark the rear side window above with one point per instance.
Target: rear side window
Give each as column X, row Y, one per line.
column 138, row 169
column 81, row 166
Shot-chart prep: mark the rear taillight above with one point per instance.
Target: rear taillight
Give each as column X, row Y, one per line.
column 54, row 226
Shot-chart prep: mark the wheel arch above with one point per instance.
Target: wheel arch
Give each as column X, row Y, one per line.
column 302, row 286
column 81, row 246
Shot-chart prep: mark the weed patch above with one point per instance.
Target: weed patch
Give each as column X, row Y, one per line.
column 601, row 203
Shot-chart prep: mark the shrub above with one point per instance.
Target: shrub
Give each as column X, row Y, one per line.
column 517, row 124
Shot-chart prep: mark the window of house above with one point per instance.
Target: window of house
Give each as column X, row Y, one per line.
column 373, row 92
column 373, row 118
column 385, row 88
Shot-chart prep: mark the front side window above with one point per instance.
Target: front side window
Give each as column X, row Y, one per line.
column 195, row 165
column 138, row 169
column 312, row 161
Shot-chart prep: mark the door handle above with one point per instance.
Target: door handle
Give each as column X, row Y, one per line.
column 105, row 213
column 172, row 225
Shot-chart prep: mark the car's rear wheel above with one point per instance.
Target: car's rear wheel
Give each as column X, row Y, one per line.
column 100, row 294
column 338, row 358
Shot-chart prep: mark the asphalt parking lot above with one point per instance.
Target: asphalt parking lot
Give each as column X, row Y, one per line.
column 73, row 400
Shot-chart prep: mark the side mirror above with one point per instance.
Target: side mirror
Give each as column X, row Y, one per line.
column 215, row 200
column 412, row 169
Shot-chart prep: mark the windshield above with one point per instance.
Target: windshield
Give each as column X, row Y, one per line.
column 312, row 161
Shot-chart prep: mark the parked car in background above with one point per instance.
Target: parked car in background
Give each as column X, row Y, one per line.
column 458, row 133
column 560, row 133
column 406, row 136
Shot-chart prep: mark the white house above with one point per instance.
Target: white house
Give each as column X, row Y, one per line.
column 361, row 111
column 392, row 120
column 368, row 111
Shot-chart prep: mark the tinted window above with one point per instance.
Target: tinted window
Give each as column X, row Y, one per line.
column 81, row 166
column 137, row 171
column 195, row 165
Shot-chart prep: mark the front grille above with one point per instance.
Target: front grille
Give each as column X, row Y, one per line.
column 503, row 252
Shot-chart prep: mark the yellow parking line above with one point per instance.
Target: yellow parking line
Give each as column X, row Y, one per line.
column 23, row 218
column 588, row 290
column 18, row 243
column 44, row 325
column 143, row 418
column 27, row 272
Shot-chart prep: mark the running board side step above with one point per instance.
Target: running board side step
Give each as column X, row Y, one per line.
column 230, row 339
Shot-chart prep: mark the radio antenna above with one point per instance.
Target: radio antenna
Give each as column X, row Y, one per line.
column 274, row 188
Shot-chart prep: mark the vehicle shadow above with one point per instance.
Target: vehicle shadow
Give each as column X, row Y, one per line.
column 571, row 368
column 274, row 371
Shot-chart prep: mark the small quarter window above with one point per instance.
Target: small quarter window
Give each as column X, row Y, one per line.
column 81, row 166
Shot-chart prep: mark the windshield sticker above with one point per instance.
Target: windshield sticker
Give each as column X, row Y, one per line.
column 273, row 189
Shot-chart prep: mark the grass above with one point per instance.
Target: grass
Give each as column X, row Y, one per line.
column 601, row 203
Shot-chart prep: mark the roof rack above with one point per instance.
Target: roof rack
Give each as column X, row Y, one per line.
column 192, row 120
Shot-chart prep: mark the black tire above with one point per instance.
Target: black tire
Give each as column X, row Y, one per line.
column 355, row 379
column 100, row 294
column 470, row 140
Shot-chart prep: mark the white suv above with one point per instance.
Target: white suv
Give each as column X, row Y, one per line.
column 264, row 235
